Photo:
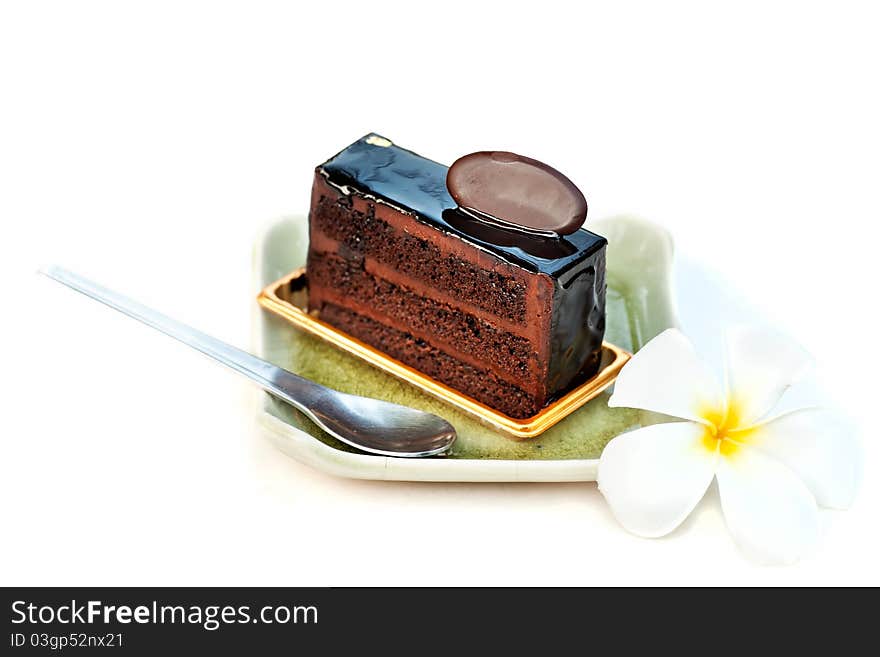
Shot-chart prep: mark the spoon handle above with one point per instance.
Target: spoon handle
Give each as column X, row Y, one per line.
column 273, row 379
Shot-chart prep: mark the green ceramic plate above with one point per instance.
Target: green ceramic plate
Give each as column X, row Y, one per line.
column 639, row 306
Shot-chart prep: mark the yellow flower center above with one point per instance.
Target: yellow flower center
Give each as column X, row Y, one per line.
column 723, row 433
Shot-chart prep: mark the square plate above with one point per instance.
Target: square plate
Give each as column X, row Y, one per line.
column 288, row 298
column 639, row 306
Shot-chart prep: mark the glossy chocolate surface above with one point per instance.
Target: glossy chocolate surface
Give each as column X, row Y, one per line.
column 375, row 167
column 517, row 191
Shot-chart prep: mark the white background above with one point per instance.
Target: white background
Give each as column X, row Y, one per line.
column 144, row 145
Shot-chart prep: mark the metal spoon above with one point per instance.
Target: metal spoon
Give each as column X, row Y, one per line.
column 374, row 426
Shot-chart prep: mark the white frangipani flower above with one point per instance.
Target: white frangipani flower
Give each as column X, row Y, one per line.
column 771, row 471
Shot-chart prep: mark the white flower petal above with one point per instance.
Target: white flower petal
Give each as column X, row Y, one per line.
column 666, row 376
column 653, row 477
column 819, row 446
column 769, row 511
column 761, row 364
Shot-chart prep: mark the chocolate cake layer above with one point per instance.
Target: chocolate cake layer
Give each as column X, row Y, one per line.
column 457, row 332
column 366, row 235
column 509, row 319
column 416, row 352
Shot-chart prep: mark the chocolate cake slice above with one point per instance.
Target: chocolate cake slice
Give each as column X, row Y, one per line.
column 511, row 318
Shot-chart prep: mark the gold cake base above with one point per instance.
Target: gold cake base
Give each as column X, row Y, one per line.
column 288, row 298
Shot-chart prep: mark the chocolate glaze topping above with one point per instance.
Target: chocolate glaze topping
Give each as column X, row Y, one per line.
column 377, row 169
column 416, row 184
column 517, row 191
